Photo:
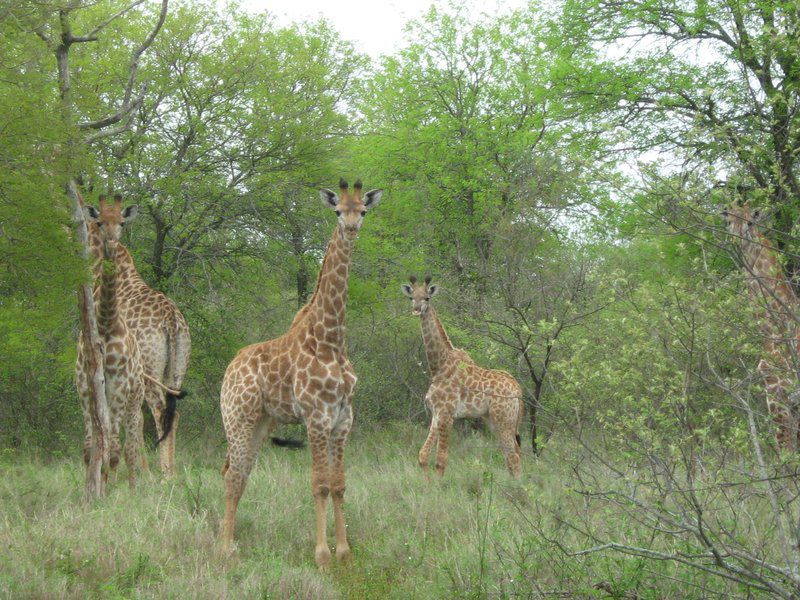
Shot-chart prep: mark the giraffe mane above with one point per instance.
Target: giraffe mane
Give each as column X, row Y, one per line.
column 313, row 297
column 443, row 333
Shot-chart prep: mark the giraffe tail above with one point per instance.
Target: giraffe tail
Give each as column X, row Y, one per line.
column 168, row 417
column 520, row 417
column 288, row 443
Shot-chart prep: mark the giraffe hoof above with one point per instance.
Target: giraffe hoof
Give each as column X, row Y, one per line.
column 343, row 554
column 227, row 549
column 322, row 557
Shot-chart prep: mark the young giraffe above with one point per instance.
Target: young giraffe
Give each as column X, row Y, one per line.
column 124, row 378
column 302, row 376
column 779, row 309
column 164, row 344
column 460, row 388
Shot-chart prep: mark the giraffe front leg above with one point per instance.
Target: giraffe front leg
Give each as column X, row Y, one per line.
column 444, row 426
column 337, row 445
column 318, row 440
column 425, row 451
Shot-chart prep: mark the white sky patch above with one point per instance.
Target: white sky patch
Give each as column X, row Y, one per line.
column 375, row 26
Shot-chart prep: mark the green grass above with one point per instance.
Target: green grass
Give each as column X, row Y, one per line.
column 477, row 533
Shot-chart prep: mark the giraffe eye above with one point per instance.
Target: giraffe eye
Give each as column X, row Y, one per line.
column 338, row 213
column 363, row 212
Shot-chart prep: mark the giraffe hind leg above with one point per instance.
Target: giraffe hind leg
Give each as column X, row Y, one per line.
column 505, row 426
column 134, row 447
column 244, row 440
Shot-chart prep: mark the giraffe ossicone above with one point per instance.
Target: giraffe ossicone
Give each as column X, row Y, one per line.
column 303, row 376
column 461, row 389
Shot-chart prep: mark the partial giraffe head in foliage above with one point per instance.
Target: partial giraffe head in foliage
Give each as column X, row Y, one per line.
column 350, row 208
column 741, row 221
column 108, row 222
column 420, row 294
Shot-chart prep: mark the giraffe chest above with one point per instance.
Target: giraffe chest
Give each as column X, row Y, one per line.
column 326, row 381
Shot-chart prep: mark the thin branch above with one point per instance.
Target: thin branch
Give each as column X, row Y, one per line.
column 129, row 104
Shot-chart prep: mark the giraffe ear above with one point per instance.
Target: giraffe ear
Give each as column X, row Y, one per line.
column 129, row 214
column 433, row 290
column 329, row 198
column 90, row 213
column 407, row 290
column 373, row 197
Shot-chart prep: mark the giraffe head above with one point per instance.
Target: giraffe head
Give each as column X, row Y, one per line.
column 741, row 221
column 420, row 294
column 108, row 222
column 350, row 208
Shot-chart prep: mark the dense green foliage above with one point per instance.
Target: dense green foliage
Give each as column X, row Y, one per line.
column 557, row 170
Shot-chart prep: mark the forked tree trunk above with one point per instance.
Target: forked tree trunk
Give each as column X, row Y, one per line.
column 60, row 40
column 94, row 365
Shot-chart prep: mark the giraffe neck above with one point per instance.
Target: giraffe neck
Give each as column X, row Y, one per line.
column 128, row 278
column 437, row 344
column 327, row 306
column 769, row 288
column 108, row 319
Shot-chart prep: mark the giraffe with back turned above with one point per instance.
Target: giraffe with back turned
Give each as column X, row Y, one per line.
column 163, row 338
column 778, row 311
column 303, row 376
column 461, row 389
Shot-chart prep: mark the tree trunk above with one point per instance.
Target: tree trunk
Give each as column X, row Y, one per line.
column 537, row 392
column 157, row 261
column 302, row 276
column 99, row 451
column 302, row 283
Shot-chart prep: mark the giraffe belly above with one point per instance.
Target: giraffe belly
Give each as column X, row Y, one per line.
column 471, row 405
